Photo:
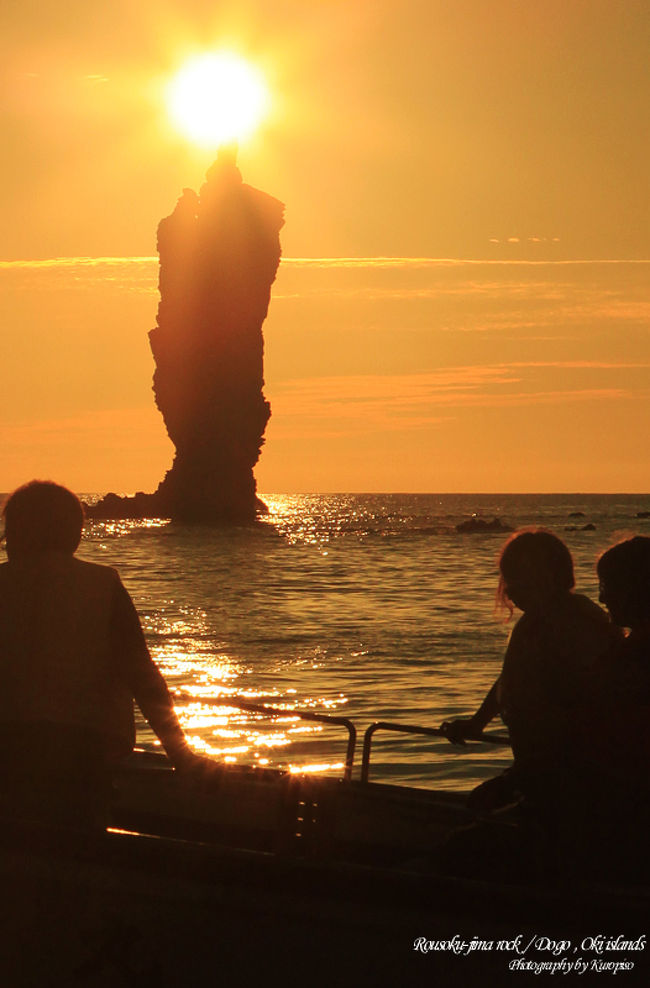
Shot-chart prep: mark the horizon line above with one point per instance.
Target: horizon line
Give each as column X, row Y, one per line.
column 339, row 493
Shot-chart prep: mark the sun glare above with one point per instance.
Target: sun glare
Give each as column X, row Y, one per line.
column 217, row 98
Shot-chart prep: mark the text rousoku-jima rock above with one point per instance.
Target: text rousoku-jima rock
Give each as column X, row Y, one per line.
column 219, row 254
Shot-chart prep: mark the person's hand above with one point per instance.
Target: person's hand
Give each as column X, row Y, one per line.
column 458, row 731
column 198, row 768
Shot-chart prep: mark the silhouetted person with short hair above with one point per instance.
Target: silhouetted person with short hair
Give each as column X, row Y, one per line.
column 621, row 725
column 72, row 659
column 606, row 836
column 624, row 574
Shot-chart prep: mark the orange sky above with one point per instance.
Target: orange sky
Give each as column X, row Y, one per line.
column 483, row 130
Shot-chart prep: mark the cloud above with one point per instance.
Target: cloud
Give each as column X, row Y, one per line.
column 72, row 274
column 369, row 263
column 119, row 425
column 66, row 263
column 355, row 347
column 526, row 240
column 445, row 295
column 359, row 403
column 115, row 448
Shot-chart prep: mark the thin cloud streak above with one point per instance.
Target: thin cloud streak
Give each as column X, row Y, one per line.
column 339, row 262
column 561, row 296
column 397, row 402
column 72, row 262
column 129, row 424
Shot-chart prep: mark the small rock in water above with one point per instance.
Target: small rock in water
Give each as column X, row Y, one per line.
column 475, row 524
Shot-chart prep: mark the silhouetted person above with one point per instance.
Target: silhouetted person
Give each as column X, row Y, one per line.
column 620, row 728
column 547, row 673
column 606, row 833
column 72, row 659
column 531, row 815
column 624, row 574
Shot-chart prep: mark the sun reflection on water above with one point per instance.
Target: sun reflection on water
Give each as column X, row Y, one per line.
column 202, row 683
column 116, row 528
column 370, row 606
column 215, row 728
column 319, row 526
column 293, row 613
column 322, row 767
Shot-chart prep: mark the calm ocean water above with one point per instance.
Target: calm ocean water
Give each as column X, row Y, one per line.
column 365, row 606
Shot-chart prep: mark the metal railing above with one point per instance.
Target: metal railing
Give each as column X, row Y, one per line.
column 434, row 732
column 380, row 725
column 260, row 708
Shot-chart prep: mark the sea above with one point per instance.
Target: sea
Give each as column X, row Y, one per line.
column 371, row 607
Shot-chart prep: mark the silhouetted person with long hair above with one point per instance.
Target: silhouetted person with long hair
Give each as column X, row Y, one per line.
column 72, row 659
column 547, row 670
column 530, row 815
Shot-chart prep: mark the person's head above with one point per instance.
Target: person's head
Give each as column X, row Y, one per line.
column 42, row 517
column 624, row 574
column 535, row 569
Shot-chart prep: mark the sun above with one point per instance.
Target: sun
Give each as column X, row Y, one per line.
column 217, row 99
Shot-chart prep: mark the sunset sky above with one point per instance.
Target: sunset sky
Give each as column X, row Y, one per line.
column 464, row 299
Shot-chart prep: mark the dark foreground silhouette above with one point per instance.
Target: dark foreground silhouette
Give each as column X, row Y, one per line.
column 219, row 253
column 575, row 693
column 73, row 657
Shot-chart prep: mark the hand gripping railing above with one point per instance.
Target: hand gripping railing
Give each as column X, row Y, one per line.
column 259, row 708
column 434, row 732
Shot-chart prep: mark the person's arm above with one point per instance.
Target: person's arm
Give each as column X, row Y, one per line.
column 146, row 682
column 457, row 731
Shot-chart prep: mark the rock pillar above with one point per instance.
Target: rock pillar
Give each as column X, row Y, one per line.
column 219, row 253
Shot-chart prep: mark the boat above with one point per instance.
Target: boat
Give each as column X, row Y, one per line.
column 258, row 873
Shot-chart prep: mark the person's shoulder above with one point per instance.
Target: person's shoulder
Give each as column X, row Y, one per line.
column 583, row 607
column 588, row 630
column 524, row 627
column 584, row 603
column 523, row 622
column 628, row 672
column 96, row 571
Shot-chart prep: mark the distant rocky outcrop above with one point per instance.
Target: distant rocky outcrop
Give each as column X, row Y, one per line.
column 219, row 253
column 476, row 525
